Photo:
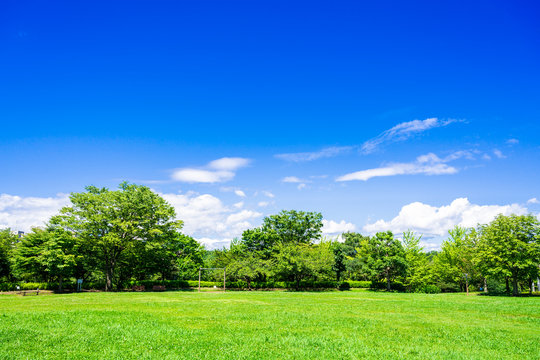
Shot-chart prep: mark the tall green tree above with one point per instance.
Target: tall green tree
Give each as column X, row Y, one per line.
column 509, row 247
column 456, row 261
column 418, row 273
column 247, row 265
column 7, row 243
column 46, row 255
column 384, row 256
column 292, row 226
column 297, row 262
column 112, row 224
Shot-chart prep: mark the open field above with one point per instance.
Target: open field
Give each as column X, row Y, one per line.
column 268, row 325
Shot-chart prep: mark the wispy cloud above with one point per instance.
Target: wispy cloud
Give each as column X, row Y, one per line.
column 295, row 180
column 498, row 153
column 268, row 194
column 429, row 164
column 240, row 193
column 403, row 131
column 399, row 132
column 291, row 179
column 533, row 201
column 512, row 141
column 215, row 171
column 315, row 155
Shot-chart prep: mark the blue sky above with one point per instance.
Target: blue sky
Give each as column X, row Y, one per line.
column 303, row 102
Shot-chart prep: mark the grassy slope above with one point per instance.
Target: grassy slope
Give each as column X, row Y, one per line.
column 268, row 325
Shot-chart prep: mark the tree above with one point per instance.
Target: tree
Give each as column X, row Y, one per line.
column 510, row 248
column 46, row 254
column 457, row 257
column 339, row 266
column 113, row 223
column 291, row 226
column 261, row 240
column 383, row 256
column 417, row 274
column 296, row 262
column 247, row 265
column 7, row 242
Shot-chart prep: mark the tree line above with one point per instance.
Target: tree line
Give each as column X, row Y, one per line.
column 113, row 237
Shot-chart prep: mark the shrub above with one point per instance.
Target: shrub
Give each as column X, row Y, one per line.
column 430, row 289
column 359, row 284
column 343, row 285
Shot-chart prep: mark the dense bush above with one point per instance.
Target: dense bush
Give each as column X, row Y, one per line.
column 429, row 289
column 359, row 284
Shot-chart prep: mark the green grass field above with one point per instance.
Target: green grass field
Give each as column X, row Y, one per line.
column 268, row 325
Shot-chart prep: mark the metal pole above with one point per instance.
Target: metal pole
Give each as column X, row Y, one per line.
column 199, row 279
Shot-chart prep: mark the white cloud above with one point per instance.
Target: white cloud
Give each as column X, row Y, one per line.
column 498, row 153
column 23, row 213
column 432, row 221
column 201, row 176
column 402, row 132
column 333, row 228
column 429, row 164
column 533, row 201
column 219, row 170
column 240, row 193
column 207, row 217
column 291, row 179
column 213, row 243
column 512, row 141
column 239, row 205
column 315, row 155
column 301, row 186
column 269, row 194
column 228, row 163
column 263, row 204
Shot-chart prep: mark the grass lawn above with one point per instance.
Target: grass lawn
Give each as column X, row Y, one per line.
column 268, row 325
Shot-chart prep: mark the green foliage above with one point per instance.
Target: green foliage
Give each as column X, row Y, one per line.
column 7, row 242
column 120, row 227
column 291, row 226
column 429, row 289
column 419, row 270
column 383, row 257
column 247, row 265
column 509, row 247
column 364, row 284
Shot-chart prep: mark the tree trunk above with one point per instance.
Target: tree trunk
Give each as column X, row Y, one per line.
column 387, row 281
column 531, row 285
column 467, row 286
column 515, row 285
column 507, row 285
column 60, row 283
column 485, row 285
column 109, row 276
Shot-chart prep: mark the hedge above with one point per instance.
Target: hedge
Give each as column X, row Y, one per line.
column 185, row 284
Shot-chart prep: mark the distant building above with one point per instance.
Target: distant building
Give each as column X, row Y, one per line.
column 20, row 234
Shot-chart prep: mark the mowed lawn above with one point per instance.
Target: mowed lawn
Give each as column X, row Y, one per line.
column 268, row 325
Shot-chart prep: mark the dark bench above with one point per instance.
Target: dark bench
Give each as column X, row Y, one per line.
column 138, row 288
column 158, row 288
